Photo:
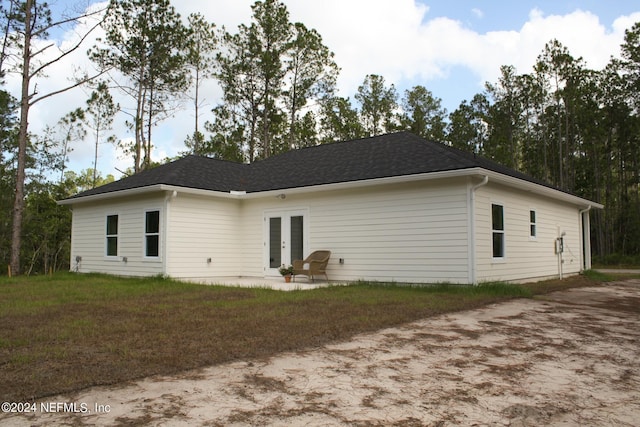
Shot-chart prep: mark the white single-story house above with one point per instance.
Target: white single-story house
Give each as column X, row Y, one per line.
column 394, row 207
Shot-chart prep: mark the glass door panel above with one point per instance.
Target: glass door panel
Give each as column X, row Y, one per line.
column 297, row 238
column 285, row 239
column 275, row 237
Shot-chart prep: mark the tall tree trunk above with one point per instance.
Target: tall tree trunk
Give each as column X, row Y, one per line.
column 139, row 129
column 559, row 132
column 294, row 108
column 147, row 149
column 18, row 205
column 95, row 158
column 196, row 133
column 254, row 134
column 266, row 143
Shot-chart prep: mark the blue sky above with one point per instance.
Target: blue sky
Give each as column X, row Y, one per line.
column 451, row 47
column 492, row 15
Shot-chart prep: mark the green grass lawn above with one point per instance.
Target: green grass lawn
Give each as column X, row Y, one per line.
column 67, row 332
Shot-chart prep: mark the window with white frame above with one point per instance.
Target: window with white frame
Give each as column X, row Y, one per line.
column 111, row 242
column 497, row 230
column 152, row 233
column 532, row 224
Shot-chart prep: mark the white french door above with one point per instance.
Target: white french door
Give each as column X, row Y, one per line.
column 285, row 238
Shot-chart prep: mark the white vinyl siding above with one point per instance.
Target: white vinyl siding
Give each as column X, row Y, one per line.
column 204, row 238
column 88, row 237
column 526, row 258
column 413, row 232
column 416, row 232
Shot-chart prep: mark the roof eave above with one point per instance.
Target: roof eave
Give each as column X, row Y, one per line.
column 456, row 173
column 477, row 171
column 539, row 189
column 145, row 190
column 346, row 185
column 110, row 195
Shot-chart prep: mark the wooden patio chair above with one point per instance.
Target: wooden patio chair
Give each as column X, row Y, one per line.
column 313, row 265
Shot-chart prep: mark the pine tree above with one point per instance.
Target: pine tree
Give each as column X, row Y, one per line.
column 146, row 42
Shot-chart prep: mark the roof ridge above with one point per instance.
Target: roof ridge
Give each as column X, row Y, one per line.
column 321, row 145
column 394, row 154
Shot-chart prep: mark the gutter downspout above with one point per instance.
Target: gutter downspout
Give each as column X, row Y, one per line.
column 168, row 198
column 585, row 238
column 472, row 229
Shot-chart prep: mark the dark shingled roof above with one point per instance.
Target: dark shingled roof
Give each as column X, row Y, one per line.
column 395, row 154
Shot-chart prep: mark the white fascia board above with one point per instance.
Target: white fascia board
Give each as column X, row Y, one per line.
column 539, row 189
column 470, row 172
column 111, row 195
column 236, row 194
column 207, row 193
column 479, row 172
column 145, row 190
column 360, row 183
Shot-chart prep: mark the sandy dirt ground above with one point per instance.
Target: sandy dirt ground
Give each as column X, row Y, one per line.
column 571, row 358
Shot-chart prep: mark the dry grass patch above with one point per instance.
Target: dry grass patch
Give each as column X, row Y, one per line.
column 68, row 332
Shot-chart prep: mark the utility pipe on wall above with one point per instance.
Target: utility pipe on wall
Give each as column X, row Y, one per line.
column 169, row 197
column 559, row 247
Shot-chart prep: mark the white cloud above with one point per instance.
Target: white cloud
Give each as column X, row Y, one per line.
column 367, row 36
column 394, row 39
column 624, row 23
column 478, row 13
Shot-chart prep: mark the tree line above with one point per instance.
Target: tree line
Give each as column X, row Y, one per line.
column 564, row 123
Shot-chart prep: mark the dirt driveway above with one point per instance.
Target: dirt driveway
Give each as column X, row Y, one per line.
column 570, row 359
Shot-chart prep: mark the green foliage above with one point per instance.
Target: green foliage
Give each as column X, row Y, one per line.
column 28, row 24
column 378, row 105
column 500, row 289
column 575, row 128
column 8, row 140
column 146, row 42
column 618, row 260
column 311, row 74
column 47, row 228
column 228, row 137
column 339, row 120
column 100, row 112
column 505, row 115
column 201, row 47
column 598, row 276
column 423, row 114
column 270, row 71
column 466, row 129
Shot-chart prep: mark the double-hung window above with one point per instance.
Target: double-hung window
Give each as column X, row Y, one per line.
column 111, row 242
column 497, row 230
column 152, row 233
column 532, row 224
